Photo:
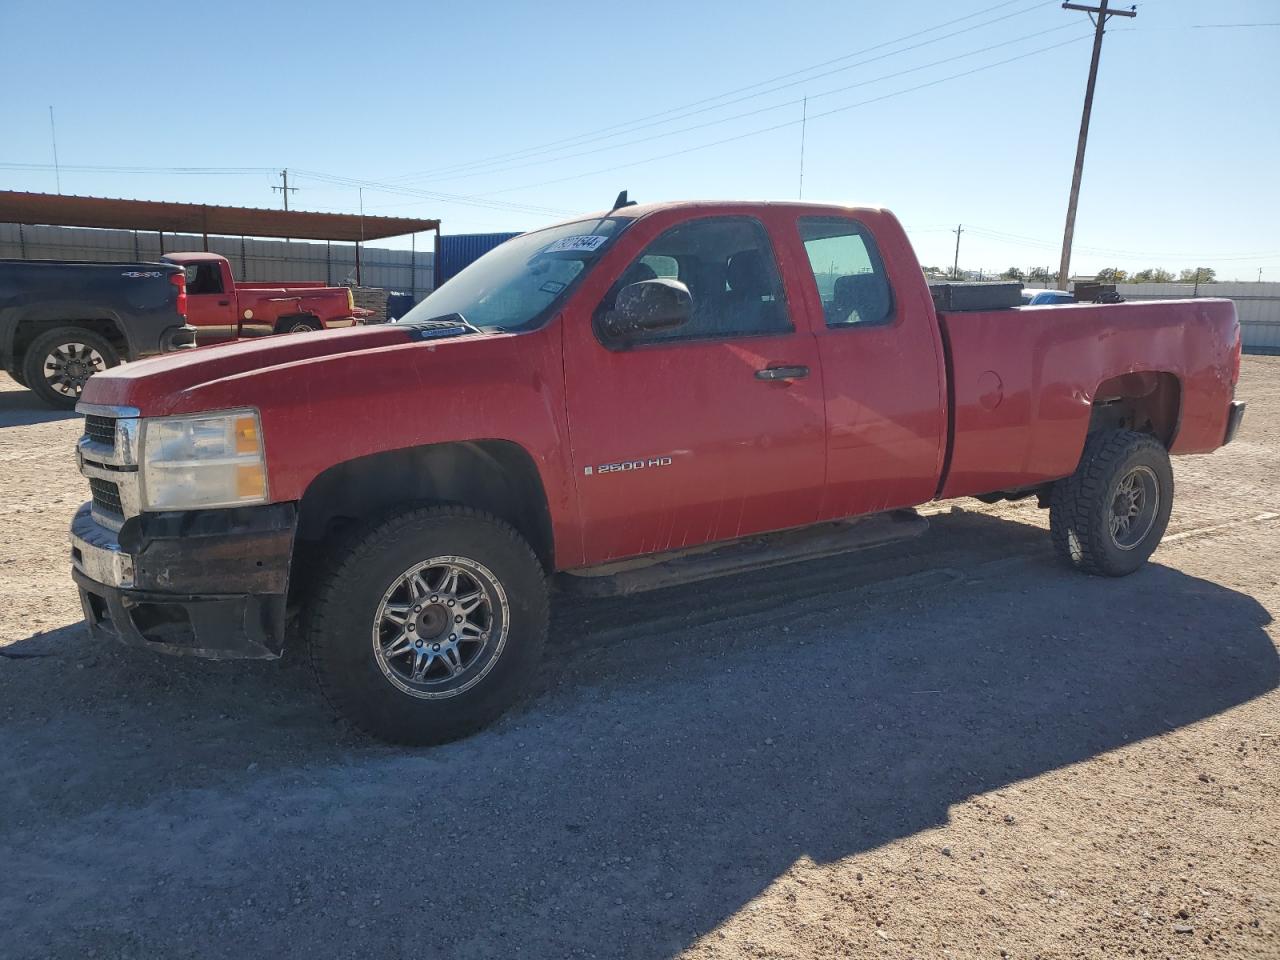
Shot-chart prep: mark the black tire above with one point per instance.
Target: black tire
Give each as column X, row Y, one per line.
column 1082, row 506
column 299, row 324
column 350, row 639
column 17, row 376
column 59, row 382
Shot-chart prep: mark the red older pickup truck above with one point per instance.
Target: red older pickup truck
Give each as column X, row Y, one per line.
column 222, row 308
column 654, row 393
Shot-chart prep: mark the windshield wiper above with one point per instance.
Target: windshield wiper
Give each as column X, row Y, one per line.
column 450, row 320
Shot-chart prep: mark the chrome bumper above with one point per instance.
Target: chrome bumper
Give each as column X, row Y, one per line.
column 96, row 553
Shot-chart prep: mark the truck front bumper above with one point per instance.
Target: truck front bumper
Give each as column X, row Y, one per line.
column 205, row 583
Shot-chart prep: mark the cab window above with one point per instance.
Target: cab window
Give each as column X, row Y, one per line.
column 848, row 271
column 731, row 272
column 203, row 278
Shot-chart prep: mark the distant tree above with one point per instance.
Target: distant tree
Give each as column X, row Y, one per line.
column 1153, row 275
column 1039, row 273
column 933, row 271
column 1111, row 275
column 1199, row 275
column 1013, row 273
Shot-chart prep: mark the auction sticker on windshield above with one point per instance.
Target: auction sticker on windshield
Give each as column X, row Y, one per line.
column 584, row 242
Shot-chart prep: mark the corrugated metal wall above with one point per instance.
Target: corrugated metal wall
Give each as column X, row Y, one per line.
column 460, row 250
column 1257, row 305
column 251, row 259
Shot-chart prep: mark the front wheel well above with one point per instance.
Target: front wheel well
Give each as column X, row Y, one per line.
column 496, row 476
column 1146, row 402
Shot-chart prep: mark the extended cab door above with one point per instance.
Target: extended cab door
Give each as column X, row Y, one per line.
column 882, row 363
column 707, row 432
column 211, row 301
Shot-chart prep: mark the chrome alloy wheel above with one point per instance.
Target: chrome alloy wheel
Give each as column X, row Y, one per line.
column 1134, row 507
column 69, row 365
column 440, row 627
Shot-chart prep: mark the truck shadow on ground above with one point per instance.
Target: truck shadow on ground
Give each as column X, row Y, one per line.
column 687, row 748
column 20, row 407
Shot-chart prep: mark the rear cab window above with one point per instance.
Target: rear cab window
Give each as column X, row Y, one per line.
column 848, row 271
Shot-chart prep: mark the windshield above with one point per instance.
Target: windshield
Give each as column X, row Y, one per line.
column 515, row 286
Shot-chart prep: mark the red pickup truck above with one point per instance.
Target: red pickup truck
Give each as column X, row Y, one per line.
column 222, row 308
column 651, row 394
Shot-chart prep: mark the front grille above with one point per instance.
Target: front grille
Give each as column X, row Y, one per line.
column 106, row 496
column 100, row 429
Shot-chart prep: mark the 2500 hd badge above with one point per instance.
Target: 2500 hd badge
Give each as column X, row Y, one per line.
column 626, row 466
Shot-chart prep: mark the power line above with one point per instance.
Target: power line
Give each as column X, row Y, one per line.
column 788, row 123
column 428, row 194
column 1015, row 239
column 640, row 123
column 178, row 171
column 772, row 107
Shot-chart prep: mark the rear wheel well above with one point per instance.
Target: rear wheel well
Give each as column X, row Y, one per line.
column 496, row 476
column 28, row 330
column 1145, row 402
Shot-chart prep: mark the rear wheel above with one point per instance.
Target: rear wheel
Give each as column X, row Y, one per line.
column 57, row 364
column 298, row 325
column 1108, row 517
column 428, row 625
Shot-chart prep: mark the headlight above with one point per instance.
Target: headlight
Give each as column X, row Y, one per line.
column 205, row 460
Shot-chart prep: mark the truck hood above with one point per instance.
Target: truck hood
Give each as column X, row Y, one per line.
column 267, row 371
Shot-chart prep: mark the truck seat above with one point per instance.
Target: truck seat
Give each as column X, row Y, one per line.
column 858, row 298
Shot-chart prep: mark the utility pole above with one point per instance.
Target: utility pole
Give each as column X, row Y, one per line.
column 286, row 189
column 53, row 138
column 955, row 266
column 1099, row 23
column 804, row 119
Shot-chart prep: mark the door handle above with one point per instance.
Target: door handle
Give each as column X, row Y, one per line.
column 224, row 303
column 782, row 373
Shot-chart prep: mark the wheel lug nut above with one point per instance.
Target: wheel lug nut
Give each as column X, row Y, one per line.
column 418, row 644
column 435, row 599
column 457, row 619
column 453, row 636
column 435, row 647
column 418, row 609
column 411, row 627
column 451, row 603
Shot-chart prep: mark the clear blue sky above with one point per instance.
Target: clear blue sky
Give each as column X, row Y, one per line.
column 1181, row 170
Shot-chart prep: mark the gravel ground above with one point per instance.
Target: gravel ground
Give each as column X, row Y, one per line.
column 952, row 748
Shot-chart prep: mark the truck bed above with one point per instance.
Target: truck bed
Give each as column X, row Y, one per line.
column 1023, row 381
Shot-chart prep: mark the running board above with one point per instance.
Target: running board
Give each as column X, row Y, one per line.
column 738, row 556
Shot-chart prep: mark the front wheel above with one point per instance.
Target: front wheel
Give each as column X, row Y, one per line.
column 429, row 625
column 57, row 364
column 1108, row 517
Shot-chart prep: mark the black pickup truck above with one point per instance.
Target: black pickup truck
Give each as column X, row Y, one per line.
column 61, row 321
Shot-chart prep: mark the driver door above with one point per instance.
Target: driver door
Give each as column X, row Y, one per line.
column 681, row 437
column 211, row 308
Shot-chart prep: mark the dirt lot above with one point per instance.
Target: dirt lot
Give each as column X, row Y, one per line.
column 952, row 749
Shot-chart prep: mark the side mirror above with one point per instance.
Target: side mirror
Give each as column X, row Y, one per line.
column 661, row 304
